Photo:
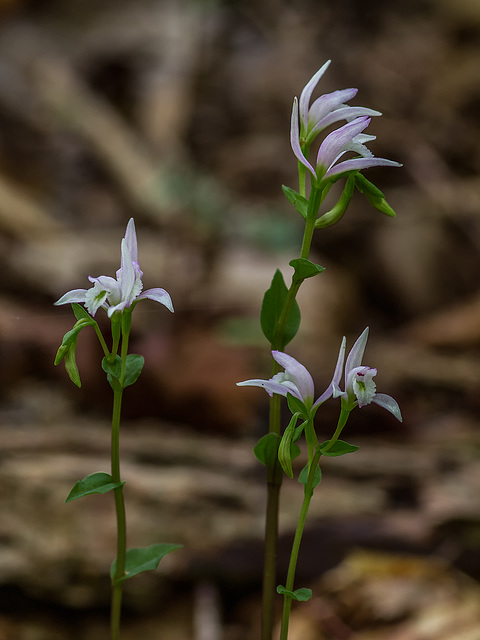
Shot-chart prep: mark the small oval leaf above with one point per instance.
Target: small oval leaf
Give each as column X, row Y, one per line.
column 99, row 482
column 143, row 559
column 339, row 448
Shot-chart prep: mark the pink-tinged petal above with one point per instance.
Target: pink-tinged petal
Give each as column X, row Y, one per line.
column 269, row 386
column 388, row 403
column 106, row 282
column 333, row 386
column 344, row 113
column 302, row 377
column 295, row 139
column 358, row 164
column 75, row 295
column 131, row 240
column 327, row 103
column 337, row 141
column 307, row 93
column 127, row 275
column 158, row 295
column 355, row 356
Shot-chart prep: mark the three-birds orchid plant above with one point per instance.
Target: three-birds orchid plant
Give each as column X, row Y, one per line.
column 342, row 154
column 118, row 296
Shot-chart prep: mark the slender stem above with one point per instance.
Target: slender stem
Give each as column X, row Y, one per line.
column 274, row 474
column 117, row 585
column 121, row 519
column 287, row 600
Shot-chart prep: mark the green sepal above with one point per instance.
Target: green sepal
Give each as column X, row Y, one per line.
column 337, row 211
column 303, row 476
column 374, row 196
column 94, row 483
column 266, row 449
column 301, row 595
column 273, row 302
column 142, row 559
column 299, row 202
column 305, row 269
column 339, row 448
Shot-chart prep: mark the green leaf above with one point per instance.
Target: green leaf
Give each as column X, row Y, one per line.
column 301, row 595
column 299, row 202
column 285, row 447
column 71, row 364
column 273, row 302
column 303, row 477
column 143, row 559
column 80, row 312
column 295, row 405
column 367, row 187
column 113, row 368
column 338, row 210
column 339, row 448
column 305, row 269
column 266, row 449
column 133, row 369
column 94, row 483
column 373, row 195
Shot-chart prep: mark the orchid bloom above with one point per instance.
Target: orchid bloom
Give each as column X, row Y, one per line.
column 360, row 389
column 295, row 380
column 307, row 122
column 325, row 110
column 120, row 293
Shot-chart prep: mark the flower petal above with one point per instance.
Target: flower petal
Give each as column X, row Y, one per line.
column 343, row 113
column 158, row 295
column 388, row 403
column 302, row 377
column 131, row 240
column 358, row 164
column 333, row 386
column 307, row 93
column 127, row 276
column 295, row 139
column 323, row 105
column 269, row 386
column 338, row 141
column 75, row 295
column 355, row 356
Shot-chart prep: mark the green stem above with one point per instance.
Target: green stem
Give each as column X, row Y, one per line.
column 121, row 519
column 287, row 600
column 274, row 474
column 117, row 584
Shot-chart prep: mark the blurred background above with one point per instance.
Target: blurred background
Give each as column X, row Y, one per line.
column 177, row 112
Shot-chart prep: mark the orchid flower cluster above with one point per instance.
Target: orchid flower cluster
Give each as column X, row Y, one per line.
column 280, row 321
column 118, row 296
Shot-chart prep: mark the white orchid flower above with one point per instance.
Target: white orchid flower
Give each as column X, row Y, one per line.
column 360, row 388
column 295, row 380
column 120, row 293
